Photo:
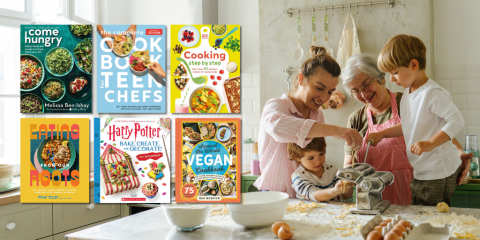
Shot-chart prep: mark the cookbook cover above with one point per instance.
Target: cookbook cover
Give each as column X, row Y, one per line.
column 131, row 160
column 205, row 69
column 56, row 68
column 54, row 160
column 131, row 63
column 208, row 160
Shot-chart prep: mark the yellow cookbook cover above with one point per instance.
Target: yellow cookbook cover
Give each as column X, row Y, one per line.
column 205, row 69
column 54, row 160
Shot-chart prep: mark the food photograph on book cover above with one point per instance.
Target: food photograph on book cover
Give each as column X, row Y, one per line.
column 55, row 160
column 207, row 160
column 131, row 64
column 205, row 69
column 132, row 160
column 56, row 68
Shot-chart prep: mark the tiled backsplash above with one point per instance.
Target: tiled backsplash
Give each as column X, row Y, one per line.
column 463, row 82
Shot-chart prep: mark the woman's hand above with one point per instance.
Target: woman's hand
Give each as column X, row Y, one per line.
column 350, row 136
column 465, row 167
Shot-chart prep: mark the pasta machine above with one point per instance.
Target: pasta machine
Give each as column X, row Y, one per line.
column 369, row 187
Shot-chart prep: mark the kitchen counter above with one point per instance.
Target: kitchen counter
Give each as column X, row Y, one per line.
column 327, row 222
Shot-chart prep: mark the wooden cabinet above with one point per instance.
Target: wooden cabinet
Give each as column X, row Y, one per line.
column 68, row 216
column 25, row 221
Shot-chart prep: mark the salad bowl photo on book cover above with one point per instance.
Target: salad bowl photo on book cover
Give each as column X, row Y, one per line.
column 55, row 160
column 131, row 160
column 208, row 160
column 56, row 63
column 205, row 69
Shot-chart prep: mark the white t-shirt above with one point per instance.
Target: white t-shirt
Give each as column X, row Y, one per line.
column 424, row 113
column 306, row 183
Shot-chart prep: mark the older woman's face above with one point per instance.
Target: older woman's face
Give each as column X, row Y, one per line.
column 317, row 89
column 368, row 90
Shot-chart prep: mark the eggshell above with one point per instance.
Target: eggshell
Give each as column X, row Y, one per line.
column 397, row 231
column 387, row 220
column 378, row 228
column 401, row 227
column 406, row 224
column 284, row 233
column 276, row 226
column 374, row 235
column 391, row 236
column 383, row 224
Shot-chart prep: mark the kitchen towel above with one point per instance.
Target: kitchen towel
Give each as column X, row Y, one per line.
column 349, row 44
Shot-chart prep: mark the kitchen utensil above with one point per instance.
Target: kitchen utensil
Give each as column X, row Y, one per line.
column 259, row 209
column 370, row 185
column 472, row 147
column 255, row 160
column 314, row 29
column 14, row 184
column 219, row 41
column 370, row 141
column 197, row 80
column 325, row 25
column 299, row 51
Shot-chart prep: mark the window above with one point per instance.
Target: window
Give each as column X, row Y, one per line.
column 13, row 13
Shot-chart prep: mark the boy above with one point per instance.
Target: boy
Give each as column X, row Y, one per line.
column 429, row 121
column 314, row 179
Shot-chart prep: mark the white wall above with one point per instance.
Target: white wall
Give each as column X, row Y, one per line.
column 375, row 28
column 457, row 58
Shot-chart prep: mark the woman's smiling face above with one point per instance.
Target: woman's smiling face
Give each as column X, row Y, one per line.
column 317, row 89
column 368, row 91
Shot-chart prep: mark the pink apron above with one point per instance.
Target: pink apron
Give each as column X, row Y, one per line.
column 390, row 155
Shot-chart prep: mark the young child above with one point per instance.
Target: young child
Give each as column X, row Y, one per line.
column 314, row 179
column 429, row 121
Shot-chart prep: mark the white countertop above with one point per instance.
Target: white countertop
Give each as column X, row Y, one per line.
column 152, row 224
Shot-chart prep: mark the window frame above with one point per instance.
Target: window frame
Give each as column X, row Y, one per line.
column 25, row 15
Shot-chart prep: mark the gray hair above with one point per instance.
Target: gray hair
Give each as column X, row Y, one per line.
column 361, row 63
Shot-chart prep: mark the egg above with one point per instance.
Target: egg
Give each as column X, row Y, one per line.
column 276, row 226
column 378, row 228
column 405, row 224
column 391, row 236
column 400, row 226
column 284, row 233
column 397, row 231
column 383, row 224
column 387, row 220
column 374, row 235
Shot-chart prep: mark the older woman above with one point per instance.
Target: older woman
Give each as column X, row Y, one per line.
column 297, row 118
column 366, row 83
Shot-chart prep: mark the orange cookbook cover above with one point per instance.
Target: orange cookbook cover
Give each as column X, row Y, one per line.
column 208, row 160
column 55, row 160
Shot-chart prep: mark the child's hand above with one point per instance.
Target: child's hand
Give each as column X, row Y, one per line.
column 421, row 147
column 376, row 137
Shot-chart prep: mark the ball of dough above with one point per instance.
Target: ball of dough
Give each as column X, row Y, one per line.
column 443, row 208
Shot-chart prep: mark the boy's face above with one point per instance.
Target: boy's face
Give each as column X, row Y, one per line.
column 404, row 76
column 313, row 160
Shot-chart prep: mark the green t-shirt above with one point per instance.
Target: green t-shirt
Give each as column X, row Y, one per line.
column 359, row 120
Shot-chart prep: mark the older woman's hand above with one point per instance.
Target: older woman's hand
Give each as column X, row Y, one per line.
column 350, row 136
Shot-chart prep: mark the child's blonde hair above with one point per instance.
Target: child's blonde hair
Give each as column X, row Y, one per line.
column 295, row 152
column 400, row 50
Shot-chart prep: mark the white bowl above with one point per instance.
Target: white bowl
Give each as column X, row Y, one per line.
column 6, row 174
column 187, row 217
column 259, row 209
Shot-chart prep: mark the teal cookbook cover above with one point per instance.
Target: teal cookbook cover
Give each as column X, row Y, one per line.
column 131, row 62
column 56, row 68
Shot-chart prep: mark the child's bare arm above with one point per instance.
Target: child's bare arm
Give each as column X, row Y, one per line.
column 395, row 131
column 329, row 193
